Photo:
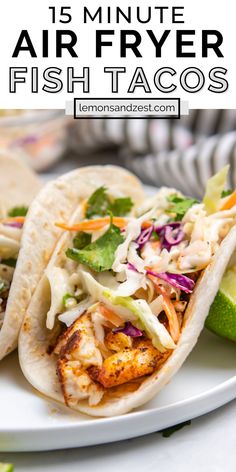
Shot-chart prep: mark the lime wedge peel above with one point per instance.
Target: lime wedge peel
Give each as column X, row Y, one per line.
column 222, row 316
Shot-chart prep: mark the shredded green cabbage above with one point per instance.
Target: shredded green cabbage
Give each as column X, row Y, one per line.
column 154, row 329
column 130, row 310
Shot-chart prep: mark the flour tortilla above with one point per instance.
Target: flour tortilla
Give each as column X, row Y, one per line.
column 40, row 368
column 57, row 201
column 18, row 185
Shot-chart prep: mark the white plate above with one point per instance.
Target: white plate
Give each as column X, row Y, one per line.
column 29, row 422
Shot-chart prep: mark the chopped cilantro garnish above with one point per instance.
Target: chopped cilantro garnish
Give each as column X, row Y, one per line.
column 180, row 206
column 155, row 236
column 121, row 206
column 18, row 211
column 167, row 432
column 100, row 204
column 11, row 262
column 225, row 193
column 81, row 240
column 100, row 254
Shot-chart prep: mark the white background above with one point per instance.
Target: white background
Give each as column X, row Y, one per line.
column 35, row 16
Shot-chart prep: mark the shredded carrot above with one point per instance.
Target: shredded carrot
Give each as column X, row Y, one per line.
column 12, row 219
column 110, row 315
column 99, row 223
column 230, row 202
column 147, row 224
column 172, row 318
column 169, row 311
column 93, row 225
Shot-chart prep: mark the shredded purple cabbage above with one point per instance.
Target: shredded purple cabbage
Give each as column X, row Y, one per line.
column 176, row 280
column 14, row 224
column 129, row 330
column 144, row 236
column 170, row 234
column 131, row 267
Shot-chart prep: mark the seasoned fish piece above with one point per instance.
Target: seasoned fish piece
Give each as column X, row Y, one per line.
column 118, row 341
column 76, row 384
column 78, row 351
column 82, row 324
column 128, row 364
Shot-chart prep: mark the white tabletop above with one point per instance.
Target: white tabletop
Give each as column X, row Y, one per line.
column 207, row 444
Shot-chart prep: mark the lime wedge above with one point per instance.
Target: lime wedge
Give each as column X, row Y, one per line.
column 6, row 467
column 222, row 316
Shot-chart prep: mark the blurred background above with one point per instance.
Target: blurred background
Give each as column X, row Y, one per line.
column 179, row 153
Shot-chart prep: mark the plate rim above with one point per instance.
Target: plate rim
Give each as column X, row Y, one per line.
column 37, row 440
column 205, row 402
column 223, row 387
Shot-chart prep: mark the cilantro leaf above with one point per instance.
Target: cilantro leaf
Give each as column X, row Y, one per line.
column 155, row 236
column 100, row 254
column 11, row 262
column 167, row 432
column 225, row 193
column 180, row 206
column 81, row 240
column 100, row 204
column 18, row 211
column 121, row 206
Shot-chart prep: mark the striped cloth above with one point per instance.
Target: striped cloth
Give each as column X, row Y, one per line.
column 181, row 153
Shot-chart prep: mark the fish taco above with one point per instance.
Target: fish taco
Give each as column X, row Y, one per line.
column 40, row 235
column 125, row 295
column 19, row 185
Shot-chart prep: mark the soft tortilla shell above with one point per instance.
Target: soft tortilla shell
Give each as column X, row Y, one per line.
column 57, row 201
column 18, row 184
column 40, row 368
